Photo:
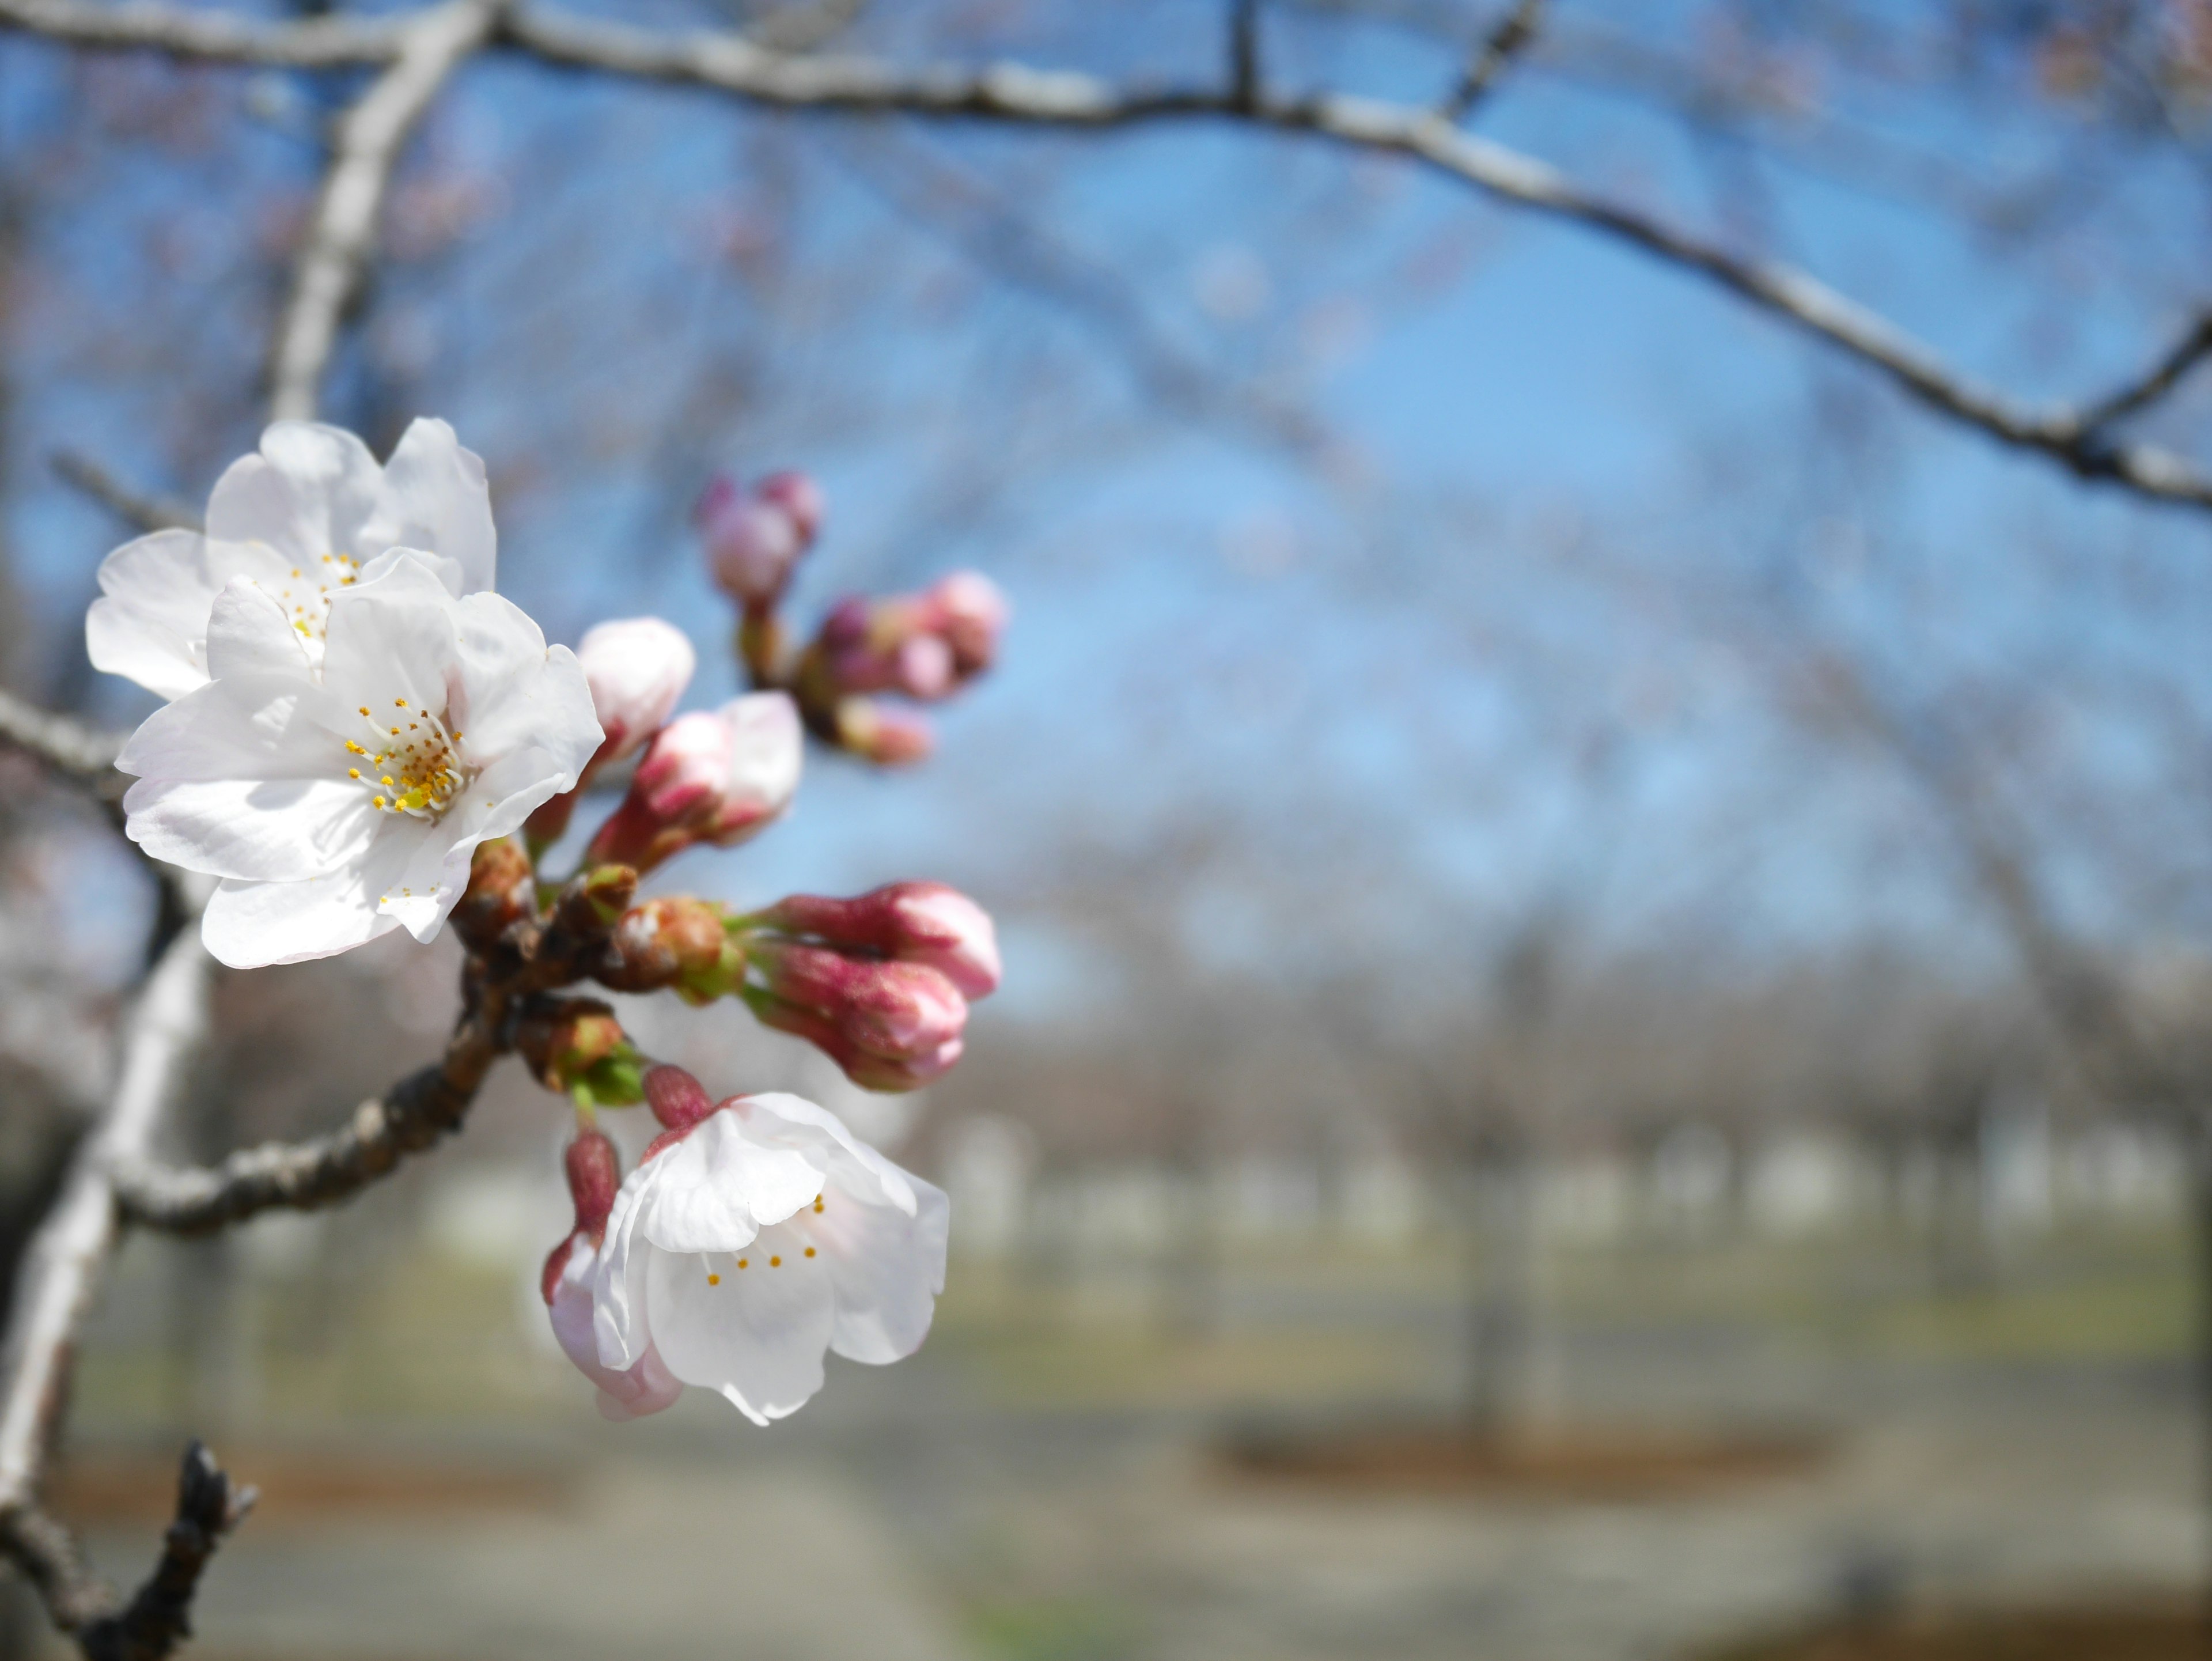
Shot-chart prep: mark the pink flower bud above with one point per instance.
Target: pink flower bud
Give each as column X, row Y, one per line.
column 970, row 613
column 799, row 497
column 754, row 537
column 594, row 1172
column 887, row 736
column 890, row 1019
column 922, row 668
column 678, row 1099
column 923, row 922
column 637, row 668
column 715, row 776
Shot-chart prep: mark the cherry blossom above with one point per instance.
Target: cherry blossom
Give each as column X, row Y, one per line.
column 757, row 1236
column 341, row 795
column 307, row 517
column 713, row 775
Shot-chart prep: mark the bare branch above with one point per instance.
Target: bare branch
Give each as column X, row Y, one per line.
column 147, row 513
column 2155, row 383
column 70, row 747
column 1016, row 93
column 413, row 1115
column 212, row 36
column 61, row 1271
column 1515, row 33
column 804, row 26
column 425, row 50
column 1244, row 54
column 366, row 145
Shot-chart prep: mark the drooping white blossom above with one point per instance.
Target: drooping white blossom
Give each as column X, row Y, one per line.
column 307, row 517
column 340, row 793
column 644, row 1387
column 756, row 1240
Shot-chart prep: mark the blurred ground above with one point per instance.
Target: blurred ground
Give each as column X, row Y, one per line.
column 1043, row 1483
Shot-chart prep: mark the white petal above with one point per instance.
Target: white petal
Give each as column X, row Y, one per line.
column 886, row 1267
column 515, row 691
column 392, row 638
column 151, row 618
column 632, row 1393
column 257, row 726
column 247, row 632
column 719, row 1187
column 250, row 924
column 308, row 493
column 618, row 1290
column 434, row 498
column 257, row 829
column 759, row 1337
column 779, row 1117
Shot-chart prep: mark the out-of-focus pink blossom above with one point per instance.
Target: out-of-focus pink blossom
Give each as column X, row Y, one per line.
column 879, row 733
column 754, row 537
column 924, row 646
column 970, row 613
column 923, row 922
column 715, row 776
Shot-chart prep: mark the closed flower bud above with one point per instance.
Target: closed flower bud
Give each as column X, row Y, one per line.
column 637, row 667
column 876, row 732
column 575, row 1046
column 923, row 922
column 671, row 942
column 754, row 537
column 969, row 613
column 678, row 1099
column 889, row 1024
column 502, row 890
column 714, row 777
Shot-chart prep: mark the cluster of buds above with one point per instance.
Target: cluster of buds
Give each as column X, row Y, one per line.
column 923, row 647
column 881, row 983
column 576, row 1047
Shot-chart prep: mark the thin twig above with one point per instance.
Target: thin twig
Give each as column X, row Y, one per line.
column 2162, row 377
column 135, row 508
column 366, row 144
column 80, row 752
column 1515, row 33
column 1244, row 54
column 1017, row 93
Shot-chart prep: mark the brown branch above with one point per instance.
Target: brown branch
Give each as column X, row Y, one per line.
column 134, row 507
column 1245, row 54
column 81, row 753
column 1014, row 93
column 2155, row 383
column 1515, row 33
column 366, row 144
column 61, row 1274
column 415, row 1115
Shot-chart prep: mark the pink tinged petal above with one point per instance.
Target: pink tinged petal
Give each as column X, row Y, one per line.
column 637, row 668
column 758, row 1335
column 248, row 632
column 308, row 493
column 886, row 1267
column 644, row 1388
column 435, row 496
column 719, row 1188
column 619, row 1288
column 250, row 924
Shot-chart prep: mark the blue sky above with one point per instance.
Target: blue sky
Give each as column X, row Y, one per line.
column 1378, row 693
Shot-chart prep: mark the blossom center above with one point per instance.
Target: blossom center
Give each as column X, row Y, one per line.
column 412, row 762
column 305, row 595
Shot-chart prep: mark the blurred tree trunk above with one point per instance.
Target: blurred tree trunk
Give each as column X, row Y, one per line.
column 1502, row 1292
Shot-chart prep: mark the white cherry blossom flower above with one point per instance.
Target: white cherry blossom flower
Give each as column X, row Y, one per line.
column 340, row 799
column 758, row 1239
column 309, row 516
